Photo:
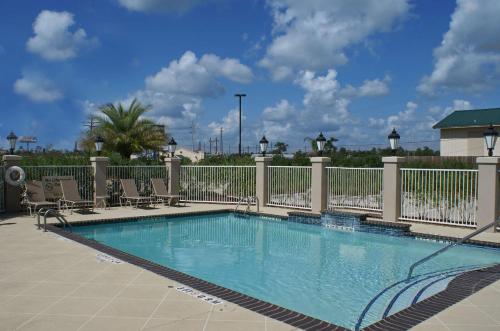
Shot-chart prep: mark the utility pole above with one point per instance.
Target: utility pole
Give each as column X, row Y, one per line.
column 210, row 142
column 221, row 146
column 91, row 124
column 240, row 96
column 193, row 128
column 216, row 141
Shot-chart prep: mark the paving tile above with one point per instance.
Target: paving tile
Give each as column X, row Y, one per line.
column 149, row 278
column 13, row 287
column 54, row 323
column 464, row 315
column 114, row 278
column 78, row 306
column 273, row 325
column 234, row 326
column 51, row 289
column 97, row 291
column 114, row 324
column 130, row 308
column 27, row 304
column 473, row 327
column 492, row 311
column 74, row 277
column 229, row 312
column 10, row 321
column 162, row 324
column 183, row 310
column 144, row 292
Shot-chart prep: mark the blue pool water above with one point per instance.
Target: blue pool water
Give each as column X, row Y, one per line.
column 330, row 270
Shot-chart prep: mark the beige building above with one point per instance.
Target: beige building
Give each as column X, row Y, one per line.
column 461, row 132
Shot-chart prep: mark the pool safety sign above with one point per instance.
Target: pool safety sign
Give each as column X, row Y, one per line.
column 199, row 295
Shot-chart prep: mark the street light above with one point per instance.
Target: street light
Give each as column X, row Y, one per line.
column 99, row 141
column 172, row 145
column 12, row 138
column 263, row 145
column 320, row 142
column 394, row 141
column 490, row 137
column 240, row 96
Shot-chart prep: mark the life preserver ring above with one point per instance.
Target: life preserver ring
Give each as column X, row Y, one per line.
column 15, row 176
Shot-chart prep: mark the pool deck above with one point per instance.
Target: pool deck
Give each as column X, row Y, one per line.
column 51, row 283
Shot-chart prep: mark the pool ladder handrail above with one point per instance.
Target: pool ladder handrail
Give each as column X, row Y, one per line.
column 453, row 244
column 49, row 211
column 247, row 199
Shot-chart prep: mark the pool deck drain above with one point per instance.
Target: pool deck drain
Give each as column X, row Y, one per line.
column 33, row 262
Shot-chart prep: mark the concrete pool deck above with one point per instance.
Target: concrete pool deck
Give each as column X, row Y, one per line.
column 51, row 283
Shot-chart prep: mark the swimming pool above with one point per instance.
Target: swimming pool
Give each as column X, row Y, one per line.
column 331, row 272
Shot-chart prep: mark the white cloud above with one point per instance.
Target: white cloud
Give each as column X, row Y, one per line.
column 151, row 6
column 230, row 123
column 231, row 69
column 315, row 34
column 37, row 88
column 53, row 39
column 176, row 91
column 468, row 58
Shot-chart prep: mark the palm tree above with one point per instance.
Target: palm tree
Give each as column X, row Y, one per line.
column 125, row 130
column 328, row 145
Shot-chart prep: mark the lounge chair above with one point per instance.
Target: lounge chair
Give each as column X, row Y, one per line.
column 130, row 194
column 161, row 192
column 34, row 197
column 71, row 197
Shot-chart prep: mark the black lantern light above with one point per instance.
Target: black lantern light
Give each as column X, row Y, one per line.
column 490, row 137
column 320, row 142
column 263, row 145
column 394, row 141
column 172, row 145
column 12, row 138
column 99, row 141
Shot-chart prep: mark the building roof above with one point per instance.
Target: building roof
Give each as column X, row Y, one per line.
column 473, row 117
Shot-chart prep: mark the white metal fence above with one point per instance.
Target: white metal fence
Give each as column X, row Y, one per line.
column 217, row 183
column 445, row 196
column 357, row 188
column 50, row 176
column 289, row 186
column 141, row 174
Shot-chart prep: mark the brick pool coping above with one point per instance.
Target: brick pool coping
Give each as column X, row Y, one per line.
column 458, row 289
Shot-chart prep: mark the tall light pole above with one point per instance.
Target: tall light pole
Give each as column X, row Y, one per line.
column 240, row 96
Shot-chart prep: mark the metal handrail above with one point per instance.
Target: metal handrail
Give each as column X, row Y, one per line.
column 453, row 244
column 48, row 211
column 247, row 198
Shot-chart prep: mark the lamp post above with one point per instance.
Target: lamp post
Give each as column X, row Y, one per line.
column 320, row 142
column 12, row 138
column 263, row 145
column 240, row 96
column 172, row 145
column 99, row 141
column 490, row 137
column 394, row 141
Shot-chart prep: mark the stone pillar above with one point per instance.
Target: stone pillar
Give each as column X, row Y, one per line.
column 319, row 184
column 392, row 188
column 261, row 179
column 12, row 193
column 488, row 191
column 173, row 165
column 100, row 164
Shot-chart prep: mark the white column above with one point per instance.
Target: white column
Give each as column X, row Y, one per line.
column 392, row 188
column 261, row 179
column 488, row 191
column 173, row 165
column 100, row 165
column 319, row 184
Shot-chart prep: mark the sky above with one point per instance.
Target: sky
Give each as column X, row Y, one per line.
column 351, row 69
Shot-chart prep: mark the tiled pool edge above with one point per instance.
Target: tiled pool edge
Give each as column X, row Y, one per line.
column 267, row 309
column 458, row 289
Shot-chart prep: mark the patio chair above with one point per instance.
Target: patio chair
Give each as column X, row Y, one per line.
column 71, row 197
column 161, row 192
column 130, row 194
column 33, row 197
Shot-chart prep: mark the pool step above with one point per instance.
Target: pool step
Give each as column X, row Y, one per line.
column 403, row 294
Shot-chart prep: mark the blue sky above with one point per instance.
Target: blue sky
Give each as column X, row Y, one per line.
column 352, row 69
